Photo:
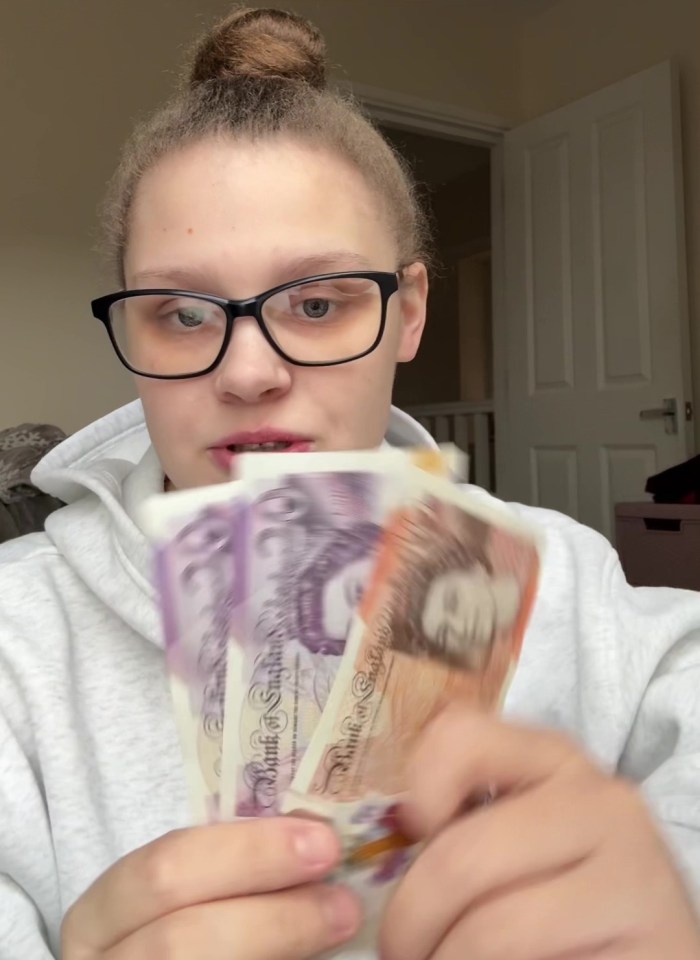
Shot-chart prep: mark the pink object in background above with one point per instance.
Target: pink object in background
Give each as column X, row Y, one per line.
column 659, row 544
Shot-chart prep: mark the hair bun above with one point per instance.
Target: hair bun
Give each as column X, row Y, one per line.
column 261, row 44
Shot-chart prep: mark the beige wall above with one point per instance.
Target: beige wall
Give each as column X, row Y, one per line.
column 73, row 75
column 579, row 46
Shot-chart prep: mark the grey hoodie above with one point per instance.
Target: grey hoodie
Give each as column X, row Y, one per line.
column 90, row 764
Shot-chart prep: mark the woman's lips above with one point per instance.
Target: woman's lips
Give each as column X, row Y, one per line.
column 224, row 457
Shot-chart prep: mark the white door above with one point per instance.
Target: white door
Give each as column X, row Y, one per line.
column 594, row 338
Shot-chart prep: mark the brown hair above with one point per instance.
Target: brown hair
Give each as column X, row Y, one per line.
column 256, row 74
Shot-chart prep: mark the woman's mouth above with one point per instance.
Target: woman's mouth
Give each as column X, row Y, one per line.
column 258, row 447
column 226, row 450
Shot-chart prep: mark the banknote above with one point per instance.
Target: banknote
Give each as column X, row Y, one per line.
column 323, row 514
column 260, row 466
column 312, row 538
column 200, row 577
column 442, row 620
column 202, row 560
column 446, row 460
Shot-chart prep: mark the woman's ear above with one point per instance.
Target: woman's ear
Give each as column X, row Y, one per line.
column 413, row 294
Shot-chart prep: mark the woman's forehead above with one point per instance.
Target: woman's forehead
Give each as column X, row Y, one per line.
column 221, row 202
column 241, row 186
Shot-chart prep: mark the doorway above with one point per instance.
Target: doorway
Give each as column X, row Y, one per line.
column 449, row 386
column 591, row 370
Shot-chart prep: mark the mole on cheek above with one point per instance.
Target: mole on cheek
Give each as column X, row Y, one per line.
column 190, row 230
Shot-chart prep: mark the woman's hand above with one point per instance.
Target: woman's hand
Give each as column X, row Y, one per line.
column 566, row 864
column 248, row 890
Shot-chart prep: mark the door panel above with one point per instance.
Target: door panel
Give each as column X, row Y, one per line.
column 595, row 325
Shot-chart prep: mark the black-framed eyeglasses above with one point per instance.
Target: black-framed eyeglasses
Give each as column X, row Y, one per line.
column 323, row 320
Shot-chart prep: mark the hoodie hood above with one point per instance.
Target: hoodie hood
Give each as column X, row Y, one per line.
column 103, row 473
column 98, row 457
column 95, row 458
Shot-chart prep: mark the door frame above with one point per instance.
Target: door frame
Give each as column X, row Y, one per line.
column 407, row 112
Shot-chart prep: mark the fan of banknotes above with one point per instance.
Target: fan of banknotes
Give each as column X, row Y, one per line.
column 318, row 611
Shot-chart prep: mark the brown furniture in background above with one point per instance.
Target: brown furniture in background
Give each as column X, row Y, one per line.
column 659, row 544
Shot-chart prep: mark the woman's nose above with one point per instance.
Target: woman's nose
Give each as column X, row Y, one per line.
column 251, row 370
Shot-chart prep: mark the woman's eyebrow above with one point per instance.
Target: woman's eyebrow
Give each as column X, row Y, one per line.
column 186, row 278
column 326, row 262
column 193, row 277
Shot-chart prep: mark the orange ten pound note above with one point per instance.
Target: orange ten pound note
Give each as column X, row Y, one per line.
column 442, row 619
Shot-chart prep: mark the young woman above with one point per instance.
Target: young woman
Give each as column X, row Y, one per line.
column 271, row 262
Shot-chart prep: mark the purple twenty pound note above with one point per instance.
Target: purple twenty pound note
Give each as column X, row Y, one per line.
column 201, row 578
column 310, row 550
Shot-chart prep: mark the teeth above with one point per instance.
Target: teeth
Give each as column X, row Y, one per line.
column 255, row 447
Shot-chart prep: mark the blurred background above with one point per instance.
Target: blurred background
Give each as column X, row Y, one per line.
column 564, row 196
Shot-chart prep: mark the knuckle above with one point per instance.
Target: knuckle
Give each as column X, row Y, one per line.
column 616, row 792
column 301, row 916
column 438, row 738
column 565, row 745
column 391, row 946
column 574, row 764
column 478, row 940
column 455, row 715
column 171, row 937
column 255, row 836
column 616, row 812
column 266, row 847
column 160, row 870
column 490, row 934
column 69, row 933
column 625, row 804
column 454, row 854
column 625, row 795
column 69, row 921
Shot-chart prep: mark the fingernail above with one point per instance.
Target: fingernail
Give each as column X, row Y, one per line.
column 341, row 910
column 316, row 844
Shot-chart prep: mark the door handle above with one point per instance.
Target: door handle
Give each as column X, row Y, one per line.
column 668, row 412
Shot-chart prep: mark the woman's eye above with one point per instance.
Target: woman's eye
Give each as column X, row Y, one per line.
column 185, row 316
column 317, row 308
column 189, row 318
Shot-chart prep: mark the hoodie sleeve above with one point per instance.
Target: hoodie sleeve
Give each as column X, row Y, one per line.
column 21, row 927
column 662, row 753
column 626, row 668
column 29, row 899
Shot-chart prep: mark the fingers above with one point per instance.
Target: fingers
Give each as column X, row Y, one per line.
column 489, row 883
column 194, row 866
column 548, row 921
column 463, row 754
column 289, row 925
column 482, row 855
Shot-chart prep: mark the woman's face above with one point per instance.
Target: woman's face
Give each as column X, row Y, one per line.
column 235, row 219
column 342, row 596
column 464, row 609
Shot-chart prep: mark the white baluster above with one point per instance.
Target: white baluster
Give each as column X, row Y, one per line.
column 442, row 429
column 461, row 437
column 482, row 458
